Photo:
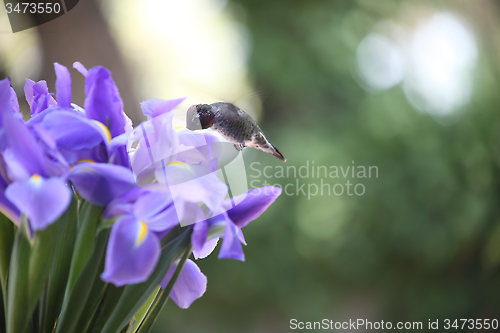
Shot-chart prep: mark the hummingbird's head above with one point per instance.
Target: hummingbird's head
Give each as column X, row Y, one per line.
column 200, row 116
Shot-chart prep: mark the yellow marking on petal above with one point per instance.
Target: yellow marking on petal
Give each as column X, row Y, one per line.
column 36, row 178
column 80, row 161
column 84, row 160
column 179, row 127
column 143, row 230
column 177, row 163
column 106, row 130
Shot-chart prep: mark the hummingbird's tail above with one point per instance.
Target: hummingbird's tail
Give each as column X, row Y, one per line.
column 260, row 142
column 269, row 148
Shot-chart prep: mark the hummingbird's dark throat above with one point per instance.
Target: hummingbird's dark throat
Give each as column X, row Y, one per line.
column 205, row 115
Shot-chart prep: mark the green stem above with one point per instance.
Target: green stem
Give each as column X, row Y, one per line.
column 76, row 298
column 58, row 276
column 111, row 297
column 2, row 315
column 144, row 310
column 18, row 289
column 162, row 297
column 34, row 320
column 90, row 215
column 43, row 308
column 92, row 306
column 41, row 260
column 7, row 232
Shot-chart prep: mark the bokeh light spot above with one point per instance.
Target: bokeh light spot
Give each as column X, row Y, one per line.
column 380, row 62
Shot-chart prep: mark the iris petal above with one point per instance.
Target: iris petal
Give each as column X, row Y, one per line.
column 157, row 209
column 63, row 85
column 253, row 205
column 38, row 96
column 193, row 183
column 132, row 253
column 5, row 96
column 190, row 285
column 42, row 200
column 231, row 246
column 164, row 220
column 100, row 183
column 199, row 235
column 6, row 207
column 124, row 203
column 206, row 249
column 23, row 145
column 13, row 100
column 103, row 102
column 154, row 107
column 72, row 131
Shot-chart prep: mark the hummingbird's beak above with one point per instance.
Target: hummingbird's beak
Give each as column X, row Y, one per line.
column 192, row 119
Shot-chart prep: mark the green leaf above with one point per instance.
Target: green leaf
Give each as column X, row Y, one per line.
column 89, row 217
column 171, row 235
column 162, row 297
column 41, row 261
column 77, row 297
column 144, row 310
column 18, row 290
column 7, row 232
column 60, row 267
column 91, row 307
column 3, row 328
column 108, row 304
column 135, row 295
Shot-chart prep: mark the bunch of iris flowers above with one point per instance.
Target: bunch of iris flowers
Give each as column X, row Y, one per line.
column 98, row 219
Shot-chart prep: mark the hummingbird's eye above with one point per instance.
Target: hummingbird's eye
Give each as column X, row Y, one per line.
column 199, row 116
column 206, row 119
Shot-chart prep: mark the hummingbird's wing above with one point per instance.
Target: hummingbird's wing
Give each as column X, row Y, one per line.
column 228, row 110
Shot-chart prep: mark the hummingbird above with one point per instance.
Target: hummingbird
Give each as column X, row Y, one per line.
column 234, row 124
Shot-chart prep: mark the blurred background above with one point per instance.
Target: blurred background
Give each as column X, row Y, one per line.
column 411, row 87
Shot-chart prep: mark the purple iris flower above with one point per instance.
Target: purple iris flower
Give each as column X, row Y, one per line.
column 74, row 134
column 134, row 244
column 103, row 102
column 38, row 96
column 79, row 134
column 80, row 138
column 229, row 223
column 33, row 167
column 153, row 140
column 181, row 160
column 104, row 159
column 37, row 154
column 191, row 283
column 42, row 200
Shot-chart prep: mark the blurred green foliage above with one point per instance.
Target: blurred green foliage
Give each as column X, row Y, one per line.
column 422, row 243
